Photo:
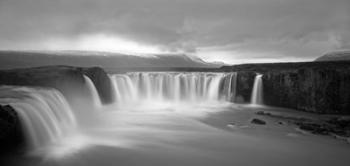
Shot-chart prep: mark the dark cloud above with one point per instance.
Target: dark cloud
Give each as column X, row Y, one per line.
column 301, row 29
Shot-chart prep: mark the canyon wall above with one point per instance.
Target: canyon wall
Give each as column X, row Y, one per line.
column 245, row 81
column 319, row 87
column 68, row 80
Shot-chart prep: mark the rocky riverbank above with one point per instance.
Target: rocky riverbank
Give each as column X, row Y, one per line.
column 337, row 127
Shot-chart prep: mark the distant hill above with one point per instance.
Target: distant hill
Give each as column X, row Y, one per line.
column 335, row 56
column 16, row 59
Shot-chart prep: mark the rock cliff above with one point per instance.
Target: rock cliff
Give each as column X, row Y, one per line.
column 68, row 80
column 101, row 81
column 320, row 87
column 11, row 135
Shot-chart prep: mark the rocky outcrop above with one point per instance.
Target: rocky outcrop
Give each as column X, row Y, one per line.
column 335, row 126
column 10, row 129
column 101, row 81
column 310, row 89
column 319, row 87
column 245, row 81
column 257, row 121
column 68, row 80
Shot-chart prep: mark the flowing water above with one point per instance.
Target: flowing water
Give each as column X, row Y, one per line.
column 93, row 92
column 257, row 92
column 174, row 87
column 160, row 118
column 45, row 114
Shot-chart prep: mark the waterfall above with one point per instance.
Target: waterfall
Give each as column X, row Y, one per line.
column 174, row 86
column 257, row 92
column 231, row 87
column 44, row 113
column 93, row 91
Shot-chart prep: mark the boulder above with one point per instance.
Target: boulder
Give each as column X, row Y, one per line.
column 258, row 121
column 314, row 128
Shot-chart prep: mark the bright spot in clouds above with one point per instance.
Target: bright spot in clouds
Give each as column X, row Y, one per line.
column 240, row 57
column 101, row 42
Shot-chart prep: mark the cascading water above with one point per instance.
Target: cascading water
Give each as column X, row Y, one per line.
column 44, row 113
column 257, row 92
column 230, row 87
column 174, row 86
column 93, row 91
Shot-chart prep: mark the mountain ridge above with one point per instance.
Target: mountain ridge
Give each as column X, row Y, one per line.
column 343, row 55
column 34, row 58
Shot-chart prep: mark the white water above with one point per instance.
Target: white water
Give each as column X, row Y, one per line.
column 257, row 92
column 47, row 117
column 194, row 87
column 44, row 113
column 93, row 92
column 164, row 137
column 231, row 87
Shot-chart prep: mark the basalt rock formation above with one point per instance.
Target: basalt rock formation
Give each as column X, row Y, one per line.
column 101, row 82
column 68, row 80
column 319, row 87
column 245, row 81
column 11, row 135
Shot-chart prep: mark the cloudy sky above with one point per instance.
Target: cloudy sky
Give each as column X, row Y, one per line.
column 233, row 31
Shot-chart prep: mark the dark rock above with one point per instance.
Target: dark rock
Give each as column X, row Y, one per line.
column 102, row 83
column 314, row 128
column 319, row 87
column 258, row 121
column 329, row 127
column 339, row 126
column 264, row 113
column 11, row 134
column 239, row 99
column 333, row 126
column 260, row 113
column 311, row 90
column 342, row 123
column 245, row 81
column 66, row 79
